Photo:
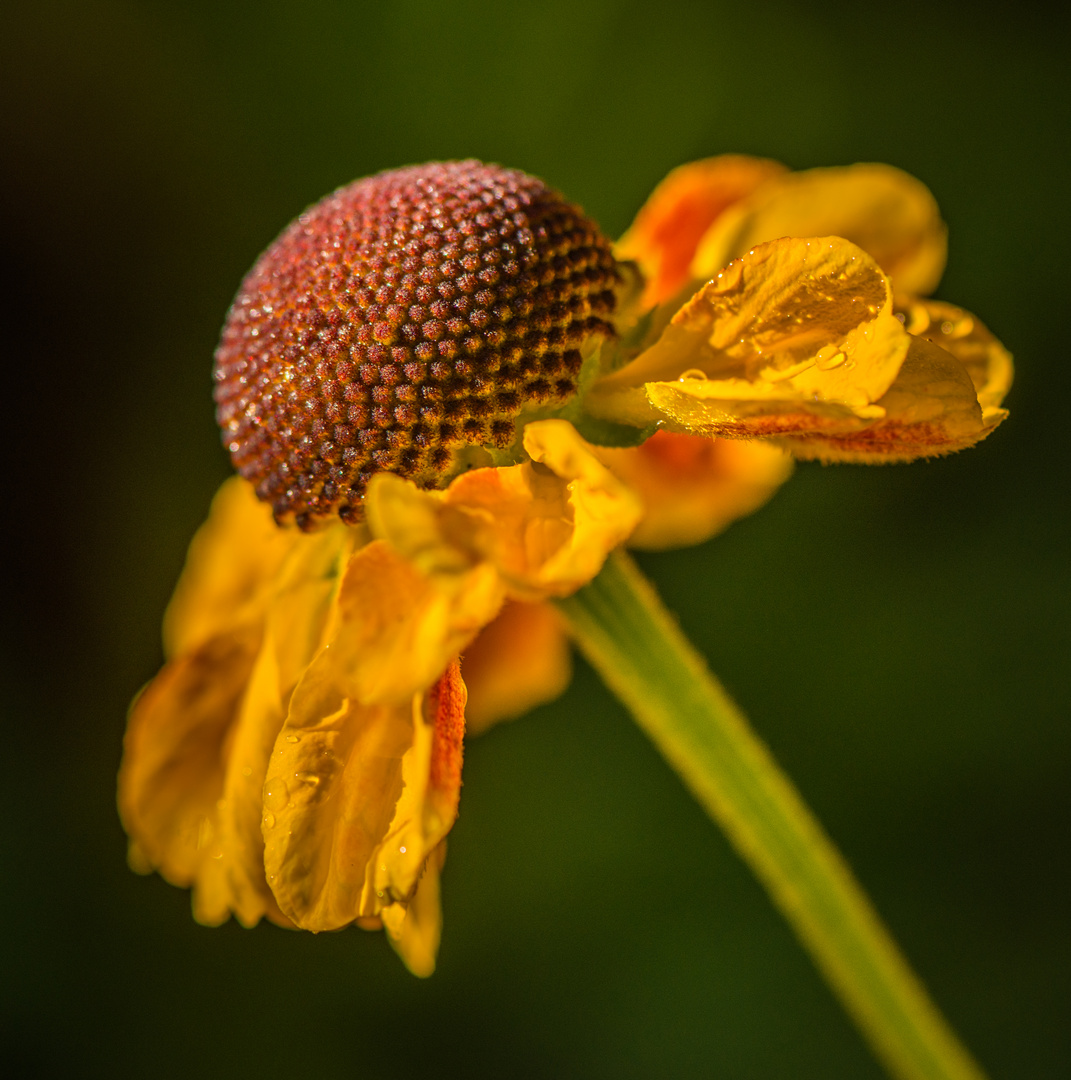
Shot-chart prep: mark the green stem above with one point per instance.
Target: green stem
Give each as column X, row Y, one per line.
column 626, row 633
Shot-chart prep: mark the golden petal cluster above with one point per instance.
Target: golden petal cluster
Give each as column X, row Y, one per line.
column 299, row 756
column 807, row 332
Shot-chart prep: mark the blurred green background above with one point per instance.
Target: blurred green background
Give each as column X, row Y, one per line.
column 899, row 635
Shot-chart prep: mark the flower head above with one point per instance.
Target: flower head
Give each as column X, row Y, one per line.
column 444, row 378
column 399, row 319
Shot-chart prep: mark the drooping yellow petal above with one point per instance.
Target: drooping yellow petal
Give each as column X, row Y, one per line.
column 297, row 623
column 544, row 527
column 357, row 796
column 427, row 808
column 796, row 336
column 230, row 568
column 693, row 487
column 175, row 754
column 962, row 334
column 415, row 928
column 517, row 662
column 333, row 781
column 889, row 214
column 398, row 626
column 666, row 233
column 931, row 409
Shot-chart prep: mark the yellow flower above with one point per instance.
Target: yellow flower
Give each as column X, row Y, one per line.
column 799, row 337
column 298, row 758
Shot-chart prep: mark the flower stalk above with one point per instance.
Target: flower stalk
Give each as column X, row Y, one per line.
column 626, row 633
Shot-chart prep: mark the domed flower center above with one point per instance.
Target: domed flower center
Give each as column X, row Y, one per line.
column 399, row 319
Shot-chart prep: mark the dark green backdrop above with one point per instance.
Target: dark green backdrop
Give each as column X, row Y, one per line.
column 899, row 635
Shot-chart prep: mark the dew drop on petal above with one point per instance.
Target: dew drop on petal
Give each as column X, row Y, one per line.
column 277, row 796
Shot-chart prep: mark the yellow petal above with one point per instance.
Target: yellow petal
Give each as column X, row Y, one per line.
column 694, row 487
column 356, row 797
column 931, row 409
column 962, row 334
column 543, row 528
column 517, row 662
column 427, row 807
column 796, row 336
column 329, row 796
column 175, row 753
column 666, row 233
column 230, row 568
column 414, row 929
column 296, row 626
column 889, row 214
column 398, row 627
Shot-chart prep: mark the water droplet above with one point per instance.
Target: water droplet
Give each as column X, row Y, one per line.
column 828, row 358
column 729, row 279
column 693, row 375
column 247, row 771
column 402, row 849
column 277, row 796
column 269, row 820
column 293, row 738
column 307, row 777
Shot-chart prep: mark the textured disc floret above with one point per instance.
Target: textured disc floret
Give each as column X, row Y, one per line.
column 399, row 319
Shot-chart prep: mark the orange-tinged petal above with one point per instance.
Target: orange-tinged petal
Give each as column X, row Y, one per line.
column 931, row 409
column 693, row 487
column 544, row 528
column 427, row 808
column 962, row 334
column 355, row 797
column 666, row 233
column 230, row 568
column 889, row 214
column 329, row 796
column 796, row 336
column 517, row 662
column 175, row 754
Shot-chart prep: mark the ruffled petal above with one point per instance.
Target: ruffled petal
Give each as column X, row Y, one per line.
column 694, row 487
column 962, row 334
column 175, row 754
column 298, row 620
column 200, row 735
column 399, row 626
column 889, row 214
column 931, row 409
column 666, row 233
column 357, row 796
column 230, row 569
column 517, row 662
column 543, row 528
column 427, row 808
column 796, row 336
